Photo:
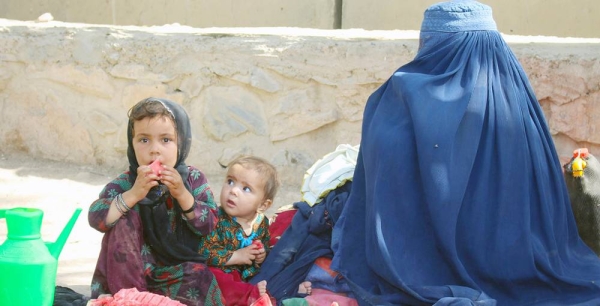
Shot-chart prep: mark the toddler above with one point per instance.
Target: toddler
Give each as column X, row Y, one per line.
column 238, row 246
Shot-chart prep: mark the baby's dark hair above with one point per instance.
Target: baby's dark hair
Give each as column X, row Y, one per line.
column 264, row 168
column 149, row 108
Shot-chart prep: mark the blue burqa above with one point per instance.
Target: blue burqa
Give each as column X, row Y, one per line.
column 458, row 196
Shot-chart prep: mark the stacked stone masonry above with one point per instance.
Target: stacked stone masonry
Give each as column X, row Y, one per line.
column 290, row 95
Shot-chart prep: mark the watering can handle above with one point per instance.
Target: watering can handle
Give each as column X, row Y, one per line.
column 2, row 213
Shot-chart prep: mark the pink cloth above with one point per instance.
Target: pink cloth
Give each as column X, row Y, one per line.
column 264, row 300
column 320, row 297
column 132, row 297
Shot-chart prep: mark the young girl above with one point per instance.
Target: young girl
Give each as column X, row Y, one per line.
column 153, row 220
column 238, row 246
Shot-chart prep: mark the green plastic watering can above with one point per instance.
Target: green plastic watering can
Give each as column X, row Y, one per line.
column 27, row 263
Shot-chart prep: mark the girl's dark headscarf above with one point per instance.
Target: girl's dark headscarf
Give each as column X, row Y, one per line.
column 168, row 247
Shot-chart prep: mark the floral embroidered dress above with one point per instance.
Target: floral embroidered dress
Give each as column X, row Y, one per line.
column 127, row 261
column 218, row 247
column 229, row 236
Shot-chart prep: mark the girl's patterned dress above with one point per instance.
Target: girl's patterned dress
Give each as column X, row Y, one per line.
column 126, row 261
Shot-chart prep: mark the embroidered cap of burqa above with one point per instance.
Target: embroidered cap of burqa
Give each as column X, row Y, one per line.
column 458, row 196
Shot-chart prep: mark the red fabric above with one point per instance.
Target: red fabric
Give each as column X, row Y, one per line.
column 325, row 263
column 280, row 224
column 235, row 291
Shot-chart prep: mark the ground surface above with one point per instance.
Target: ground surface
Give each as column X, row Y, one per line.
column 58, row 189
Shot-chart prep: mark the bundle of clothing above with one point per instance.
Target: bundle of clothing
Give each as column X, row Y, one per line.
column 307, row 238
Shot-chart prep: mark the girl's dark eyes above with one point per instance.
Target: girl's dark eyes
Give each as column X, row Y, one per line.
column 247, row 189
column 165, row 140
column 229, row 182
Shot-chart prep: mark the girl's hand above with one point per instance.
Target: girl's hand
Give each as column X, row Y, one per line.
column 144, row 181
column 172, row 179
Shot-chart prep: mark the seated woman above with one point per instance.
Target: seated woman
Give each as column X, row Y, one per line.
column 458, row 196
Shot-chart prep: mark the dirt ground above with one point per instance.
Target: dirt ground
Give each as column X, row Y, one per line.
column 58, row 189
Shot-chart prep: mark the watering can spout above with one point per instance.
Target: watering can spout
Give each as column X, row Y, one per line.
column 56, row 247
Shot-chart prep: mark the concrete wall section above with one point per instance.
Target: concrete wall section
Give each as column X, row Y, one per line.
column 577, row 18
column 92, row 11
column 194, row 13
column 517, row 17
column 385, row 15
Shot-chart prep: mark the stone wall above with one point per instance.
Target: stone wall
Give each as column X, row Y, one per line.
column 289, row 95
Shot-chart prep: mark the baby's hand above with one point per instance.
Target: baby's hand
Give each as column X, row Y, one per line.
column 258, row 245
column 244, row 256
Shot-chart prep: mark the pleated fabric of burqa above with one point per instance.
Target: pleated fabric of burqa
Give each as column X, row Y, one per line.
column 458, row 195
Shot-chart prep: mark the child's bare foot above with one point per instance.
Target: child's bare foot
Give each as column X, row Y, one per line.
column 335, row 304
column 305, row 287
column 262, row 287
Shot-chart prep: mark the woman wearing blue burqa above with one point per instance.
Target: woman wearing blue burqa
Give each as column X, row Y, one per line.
column 458, row 196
